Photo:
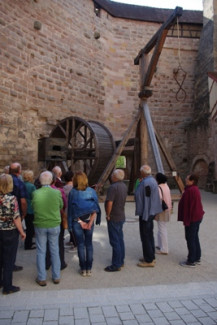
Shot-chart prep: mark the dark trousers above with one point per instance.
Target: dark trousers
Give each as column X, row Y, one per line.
column 61, row 250
column 147, row 237
column 116, row 239
column 8, row 251
column 193, row 243
column 30, row 231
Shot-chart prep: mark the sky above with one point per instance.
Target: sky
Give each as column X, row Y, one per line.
column 168, row 4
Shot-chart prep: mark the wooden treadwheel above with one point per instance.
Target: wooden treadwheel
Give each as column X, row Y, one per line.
column 89, row 146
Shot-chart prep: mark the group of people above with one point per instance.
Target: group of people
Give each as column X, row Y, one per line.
column 49, row 206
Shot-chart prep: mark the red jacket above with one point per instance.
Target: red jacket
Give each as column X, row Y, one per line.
column 190, row 207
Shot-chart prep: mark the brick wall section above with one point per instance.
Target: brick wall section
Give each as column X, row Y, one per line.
column 62, row 70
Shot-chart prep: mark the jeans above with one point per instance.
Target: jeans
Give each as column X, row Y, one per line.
column 84, row 245
column 193, row 243
column 61, row 250
column 116, row 239
column 147, row 238
column 8, row 250
column 50, row 235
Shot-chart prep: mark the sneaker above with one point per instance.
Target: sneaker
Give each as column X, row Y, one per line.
column 145, row 264
column 187, row 264
column 83, row 272
column 198, row 262
column 41, row 283
column 142, row 260
column 88, row 273
column 12, row 290
column 56, row 281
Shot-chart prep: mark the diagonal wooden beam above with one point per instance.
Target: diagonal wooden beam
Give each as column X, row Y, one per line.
column 118, row 151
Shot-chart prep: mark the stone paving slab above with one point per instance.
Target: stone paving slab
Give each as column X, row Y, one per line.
column 165, row 294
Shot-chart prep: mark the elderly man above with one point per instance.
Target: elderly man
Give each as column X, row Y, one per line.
column 58, row 173
column 19, row 190
column 115, row 215
column 47, row 203
column 148, row 204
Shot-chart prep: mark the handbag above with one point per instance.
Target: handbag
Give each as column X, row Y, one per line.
column 164, row 205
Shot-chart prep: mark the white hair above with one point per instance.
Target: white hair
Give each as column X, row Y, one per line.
column 57, row 171
column 145, row 170
column 118, row 174
column 46, row 178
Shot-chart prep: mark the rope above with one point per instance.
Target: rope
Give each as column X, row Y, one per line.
column 181, row 93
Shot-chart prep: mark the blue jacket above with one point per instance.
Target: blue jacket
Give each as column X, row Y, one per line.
column 147, row 198
column 81, row 203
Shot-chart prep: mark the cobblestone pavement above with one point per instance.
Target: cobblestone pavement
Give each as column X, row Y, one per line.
column 160, row 305
column 165, row 294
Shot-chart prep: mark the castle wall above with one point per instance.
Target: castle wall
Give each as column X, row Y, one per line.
column 82, row 65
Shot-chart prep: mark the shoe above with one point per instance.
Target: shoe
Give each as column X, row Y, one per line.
column 161, row 253
column 30, row 248
column 42, row 283
column 112, row 268
column 198, row 262
column 88, row 273
column 187, row 264
column 142, row 260
column 146, row 264
column 72, row 250
column 56, row 281
column 17, row 268
column 83, row 272
column 12, row 290
column 64, row 267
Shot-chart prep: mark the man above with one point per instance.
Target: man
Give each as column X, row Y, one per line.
column 47, row 203
column 58, row 173
column 19, row 190
column 148, row 204
column 115, row 216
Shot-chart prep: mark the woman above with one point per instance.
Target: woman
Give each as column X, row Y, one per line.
column 10, row 227
column 163, row 217
column 190, row 212
column 30, row 188
column 82, row 210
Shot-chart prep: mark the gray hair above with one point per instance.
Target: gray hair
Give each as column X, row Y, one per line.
column 57, row 171
column 46, row 178
column 145, row 170
column 118, row 174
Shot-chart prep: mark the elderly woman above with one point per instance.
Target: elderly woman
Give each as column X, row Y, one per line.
column 47, row 203
column 164, row 217
column 82, row 210
column 30, row 188
column 10, row 227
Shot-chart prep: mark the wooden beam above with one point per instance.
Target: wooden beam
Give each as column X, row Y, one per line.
column 170, row 162
column 105, row 175
column 166, row 26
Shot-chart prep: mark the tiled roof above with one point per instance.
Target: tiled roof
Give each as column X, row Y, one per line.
column 142, row 13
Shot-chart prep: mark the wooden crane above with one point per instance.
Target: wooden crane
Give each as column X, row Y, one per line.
column 147, row 70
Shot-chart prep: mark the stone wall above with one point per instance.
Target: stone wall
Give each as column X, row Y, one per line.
column 82, row 65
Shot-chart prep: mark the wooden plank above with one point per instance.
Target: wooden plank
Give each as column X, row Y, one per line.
column 170, row 161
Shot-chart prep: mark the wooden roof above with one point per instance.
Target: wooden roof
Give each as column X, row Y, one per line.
column 150, row 14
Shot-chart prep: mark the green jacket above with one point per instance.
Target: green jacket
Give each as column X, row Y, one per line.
column 47, row 203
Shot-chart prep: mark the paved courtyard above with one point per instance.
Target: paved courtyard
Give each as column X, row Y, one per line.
column 165, row 294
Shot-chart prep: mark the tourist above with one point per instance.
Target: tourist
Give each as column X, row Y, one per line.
column 148, row 204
